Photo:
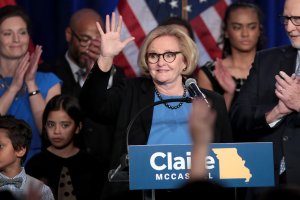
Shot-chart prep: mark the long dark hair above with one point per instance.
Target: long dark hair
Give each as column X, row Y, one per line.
column 68, row 104
column 232, row 7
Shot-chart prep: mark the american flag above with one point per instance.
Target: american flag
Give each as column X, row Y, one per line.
column 7, row 2
column 141, row 16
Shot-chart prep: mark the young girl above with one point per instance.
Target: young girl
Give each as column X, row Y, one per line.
column 70, row 172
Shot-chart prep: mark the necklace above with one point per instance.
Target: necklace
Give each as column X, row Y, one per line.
column 166, row 104
column 4, row 85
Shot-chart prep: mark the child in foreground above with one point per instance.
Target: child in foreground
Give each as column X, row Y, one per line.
column 15, row 138
column 69, row 171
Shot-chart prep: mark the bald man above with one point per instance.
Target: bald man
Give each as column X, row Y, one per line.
column 83, row 40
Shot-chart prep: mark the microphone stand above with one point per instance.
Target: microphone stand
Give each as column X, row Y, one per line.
column 117, row 175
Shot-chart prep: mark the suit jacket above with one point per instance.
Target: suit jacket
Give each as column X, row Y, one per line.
column 97, row 137
column 62, row 69
column 257, row 97
column 120, row 104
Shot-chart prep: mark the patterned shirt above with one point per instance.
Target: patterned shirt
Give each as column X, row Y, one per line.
column 28, row 184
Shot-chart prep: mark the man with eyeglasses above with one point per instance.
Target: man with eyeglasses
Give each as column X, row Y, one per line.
column 83, row 40
column 267, row 109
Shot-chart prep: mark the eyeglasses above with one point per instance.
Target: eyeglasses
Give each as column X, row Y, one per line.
column 84, row 41
column 167, row 56
column 294, row 19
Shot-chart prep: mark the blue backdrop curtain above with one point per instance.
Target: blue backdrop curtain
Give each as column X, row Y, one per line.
column 274, row 31
column 50, row 17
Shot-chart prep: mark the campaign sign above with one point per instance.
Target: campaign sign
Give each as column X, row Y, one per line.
column 230, row 164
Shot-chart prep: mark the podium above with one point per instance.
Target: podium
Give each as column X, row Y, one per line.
column 233, row 165
column 229, row 164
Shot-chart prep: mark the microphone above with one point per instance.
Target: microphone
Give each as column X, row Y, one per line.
column 116, row 175
column 194, row 90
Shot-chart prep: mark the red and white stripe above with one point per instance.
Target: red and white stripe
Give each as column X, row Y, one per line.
column 138, row 21
column 7, row 2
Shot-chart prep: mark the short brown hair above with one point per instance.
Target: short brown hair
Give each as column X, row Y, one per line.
column 18, row 131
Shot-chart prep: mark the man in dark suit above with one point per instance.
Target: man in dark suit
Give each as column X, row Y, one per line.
column 83, row 40
column 267, row 109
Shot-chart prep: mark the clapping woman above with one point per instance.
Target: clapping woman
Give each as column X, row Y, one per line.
column 24, row 92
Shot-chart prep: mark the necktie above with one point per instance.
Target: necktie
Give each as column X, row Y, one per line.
column 80, row 76
column 297, row 72
column 282, row 166
column 15, row 181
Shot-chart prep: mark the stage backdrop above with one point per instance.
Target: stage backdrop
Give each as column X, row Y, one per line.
column 50, row 17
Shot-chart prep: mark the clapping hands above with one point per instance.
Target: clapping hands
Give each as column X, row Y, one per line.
column 26, row 70
column 288, row 92
column 224, row 77
column 33, row 64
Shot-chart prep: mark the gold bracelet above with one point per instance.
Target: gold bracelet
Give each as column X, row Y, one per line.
column 34, row 93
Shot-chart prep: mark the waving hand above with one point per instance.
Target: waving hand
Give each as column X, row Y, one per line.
column 111, row 44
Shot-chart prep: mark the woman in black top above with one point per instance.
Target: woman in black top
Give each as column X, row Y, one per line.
column 241, row 37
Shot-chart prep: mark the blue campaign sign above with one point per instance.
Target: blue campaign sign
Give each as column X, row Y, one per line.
column 230, row 164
